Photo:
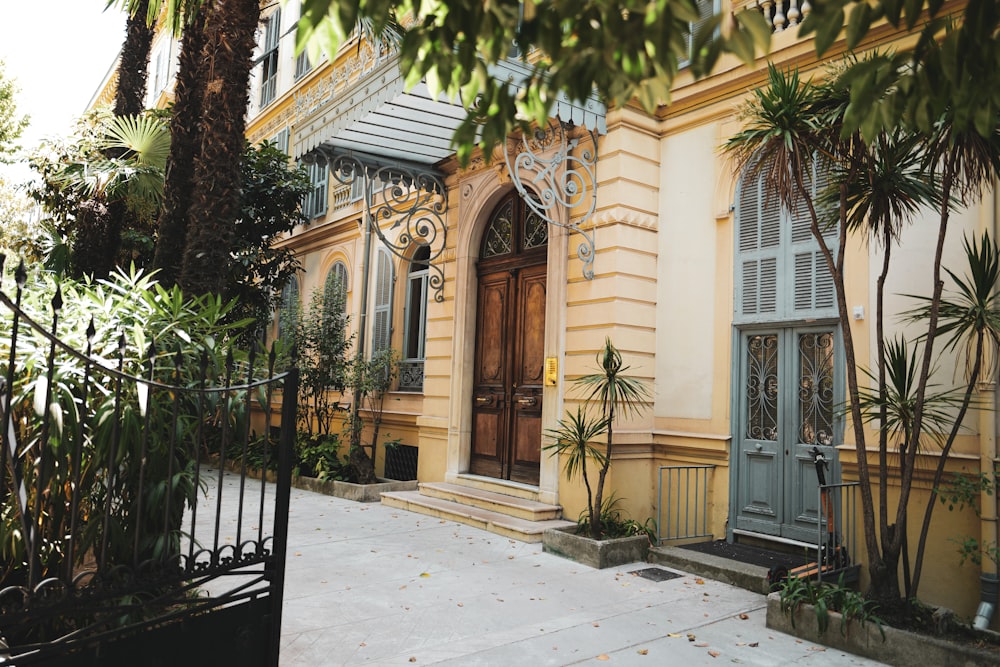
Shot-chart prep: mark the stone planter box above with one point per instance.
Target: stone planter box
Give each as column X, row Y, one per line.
column 899, row 647
column 595, row 553
column 362, row 493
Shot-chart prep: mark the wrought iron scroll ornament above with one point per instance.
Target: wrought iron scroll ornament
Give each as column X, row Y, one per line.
column 415, row 199
column 561, row 174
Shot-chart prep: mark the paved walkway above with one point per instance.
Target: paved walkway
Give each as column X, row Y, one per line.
column 368, row 584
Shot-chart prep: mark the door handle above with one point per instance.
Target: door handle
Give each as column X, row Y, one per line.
column 527, row 400
column 482, row 400
column 758, row 446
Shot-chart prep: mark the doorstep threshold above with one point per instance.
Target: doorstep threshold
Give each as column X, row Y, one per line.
column 775, row 538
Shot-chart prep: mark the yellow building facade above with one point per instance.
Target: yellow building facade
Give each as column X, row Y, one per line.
column 499, row 285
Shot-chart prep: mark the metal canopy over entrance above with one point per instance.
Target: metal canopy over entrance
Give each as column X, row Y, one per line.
column 382, row 125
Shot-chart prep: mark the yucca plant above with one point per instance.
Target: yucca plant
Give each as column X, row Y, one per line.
column 610, row 393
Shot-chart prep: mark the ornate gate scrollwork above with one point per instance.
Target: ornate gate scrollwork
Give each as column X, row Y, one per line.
column 562, row 173
column 415, row 198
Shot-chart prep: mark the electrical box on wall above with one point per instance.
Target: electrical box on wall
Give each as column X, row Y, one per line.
column 551, row 371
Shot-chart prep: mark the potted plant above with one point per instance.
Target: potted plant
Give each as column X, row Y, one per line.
column 602, row 537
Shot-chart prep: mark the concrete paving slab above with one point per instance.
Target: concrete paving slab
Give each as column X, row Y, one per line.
column 374, row 585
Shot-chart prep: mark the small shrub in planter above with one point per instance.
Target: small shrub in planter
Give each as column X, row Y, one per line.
column 609, row 393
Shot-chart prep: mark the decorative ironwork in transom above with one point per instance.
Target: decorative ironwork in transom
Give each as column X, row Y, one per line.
column 514, row 228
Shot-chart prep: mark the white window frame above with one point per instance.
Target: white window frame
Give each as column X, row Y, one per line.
column 269, row 59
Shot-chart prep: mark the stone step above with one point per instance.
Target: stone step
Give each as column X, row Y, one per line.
column 521, row 508
column 494, row 522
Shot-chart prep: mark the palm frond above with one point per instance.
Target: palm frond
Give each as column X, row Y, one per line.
column 144, row 137
column 615, row 390
column 573, row 438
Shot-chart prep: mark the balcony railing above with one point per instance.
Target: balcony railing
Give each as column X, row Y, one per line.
column 411, row 375
column 780, row 14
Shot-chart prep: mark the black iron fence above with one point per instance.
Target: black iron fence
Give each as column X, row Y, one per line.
column 121, row 541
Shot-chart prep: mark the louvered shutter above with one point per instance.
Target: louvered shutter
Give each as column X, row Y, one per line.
column 706, row 9
column 781, row 272
column 759, row 244
column 382, row 323
column 812, row 282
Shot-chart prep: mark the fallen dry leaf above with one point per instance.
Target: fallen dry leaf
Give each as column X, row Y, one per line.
column 413, row 658
column 643, row 651
column 673, row 634
column 460, row 604
column 362, row 644
column 700, row 582
column 754, row 644
column 702, row 645
column 714, row 654
column 596, row 625
column 818, row 649
column 424, row 575
column 604, row 656
column 691, row 637
column 744, row 617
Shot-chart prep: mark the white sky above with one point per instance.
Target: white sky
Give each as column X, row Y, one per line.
column 59, row 52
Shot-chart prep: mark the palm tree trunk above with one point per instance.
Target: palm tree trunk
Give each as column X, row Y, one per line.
column 185, row 136
column 134, row 64
column 943, row 459
column 909, row 462
column 230, row 26
column 835, row 264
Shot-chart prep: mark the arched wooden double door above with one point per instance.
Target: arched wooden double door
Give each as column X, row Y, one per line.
column 510, row 333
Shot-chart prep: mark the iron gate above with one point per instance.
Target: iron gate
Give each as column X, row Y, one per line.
column 123, row 542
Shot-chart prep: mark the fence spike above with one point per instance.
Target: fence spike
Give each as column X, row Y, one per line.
column 91, row 331
column 3, row 260
column 21, row 274
column 57, row 299
column 151, row 350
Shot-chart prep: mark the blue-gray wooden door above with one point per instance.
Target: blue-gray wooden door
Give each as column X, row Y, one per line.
column 788, row 386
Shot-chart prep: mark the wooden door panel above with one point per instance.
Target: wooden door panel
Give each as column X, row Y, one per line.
column 490, row 398
column 491, row 357
column 530, row 367
column 814, row 411
column 759, row 498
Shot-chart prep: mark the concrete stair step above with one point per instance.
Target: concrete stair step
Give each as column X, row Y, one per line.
column 521, row 508
column 495, row 522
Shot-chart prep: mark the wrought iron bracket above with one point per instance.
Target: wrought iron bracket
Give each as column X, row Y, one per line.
column 561, row 174
column 414, row 198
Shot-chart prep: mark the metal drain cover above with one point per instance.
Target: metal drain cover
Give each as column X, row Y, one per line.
column 655, row 574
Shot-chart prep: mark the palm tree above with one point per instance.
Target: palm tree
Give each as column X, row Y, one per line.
column 185, row 131
column 876, row 187
column 229, row 29
column 133, row 65
column 131, row 181
column 616, row 394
